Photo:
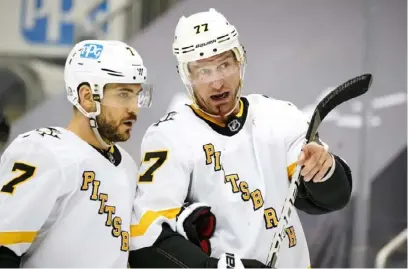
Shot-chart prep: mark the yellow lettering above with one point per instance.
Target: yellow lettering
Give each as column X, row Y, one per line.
column 290, row 231
column 125, row 241
column 257, row 199
column 103, row 197
column 243, row 186
column 233, row 180
column 217, row 165
column 110, row 210
column 95, row 188
column 87, row 178
column 117, row 228
column 271, row 220
column 209, row 152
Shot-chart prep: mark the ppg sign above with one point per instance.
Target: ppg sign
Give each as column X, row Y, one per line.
column 91, row 51
column 53, row 21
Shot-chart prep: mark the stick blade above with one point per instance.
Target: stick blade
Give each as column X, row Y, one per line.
column 348, row 90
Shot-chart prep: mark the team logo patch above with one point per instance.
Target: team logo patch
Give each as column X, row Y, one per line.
column 111, row 158
column 234, row 125
column 91, row 51
column 169, row 116
column 49, row 131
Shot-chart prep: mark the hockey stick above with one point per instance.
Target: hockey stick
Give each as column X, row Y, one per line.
column 348, row 90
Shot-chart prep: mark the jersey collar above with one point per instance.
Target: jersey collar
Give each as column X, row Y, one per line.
column 113, row 154
column 234, row 124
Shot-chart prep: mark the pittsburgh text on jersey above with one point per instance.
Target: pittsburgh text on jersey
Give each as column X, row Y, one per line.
column 89, row 182
column 240, row 186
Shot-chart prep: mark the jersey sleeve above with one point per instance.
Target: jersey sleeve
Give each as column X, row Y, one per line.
column 334, row 190
column 29, row 187
column 163, row 182
column 295, row 136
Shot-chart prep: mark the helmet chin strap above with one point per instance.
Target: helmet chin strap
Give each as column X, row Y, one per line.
column 93, row 123
column 94, row 126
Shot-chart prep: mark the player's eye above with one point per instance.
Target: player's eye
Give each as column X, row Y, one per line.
column 124, row 94
column 204, row 71
column 224, row 65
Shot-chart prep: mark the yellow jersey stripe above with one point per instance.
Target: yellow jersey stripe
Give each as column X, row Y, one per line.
column 206, row 117
column 241, row 109
column 10, row 238
column 291, row 170
column 149, row 217
column 215, row 121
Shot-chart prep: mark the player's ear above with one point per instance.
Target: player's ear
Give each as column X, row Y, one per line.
column 85, row 97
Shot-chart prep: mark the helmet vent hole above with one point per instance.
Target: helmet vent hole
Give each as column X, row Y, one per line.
column 215, row 50
column 134, row 77
column 201, row 53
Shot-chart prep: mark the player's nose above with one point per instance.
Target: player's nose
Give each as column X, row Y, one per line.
column 217, row 84
column 133, row 110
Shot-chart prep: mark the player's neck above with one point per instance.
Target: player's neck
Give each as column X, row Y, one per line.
column 225, row 119
column 80, row 126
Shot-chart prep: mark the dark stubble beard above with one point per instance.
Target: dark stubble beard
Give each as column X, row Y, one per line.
column 110, row 131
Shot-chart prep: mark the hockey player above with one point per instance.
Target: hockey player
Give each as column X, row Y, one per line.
column 66, row 194
column 215, row 173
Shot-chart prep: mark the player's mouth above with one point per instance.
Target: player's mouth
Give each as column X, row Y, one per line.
column 220, row 97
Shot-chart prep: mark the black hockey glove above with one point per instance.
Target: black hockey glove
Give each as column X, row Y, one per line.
column 196, row 223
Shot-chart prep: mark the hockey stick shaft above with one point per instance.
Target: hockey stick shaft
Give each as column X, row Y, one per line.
column 348, row 90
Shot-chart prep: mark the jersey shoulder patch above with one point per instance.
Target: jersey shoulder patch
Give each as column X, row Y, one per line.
column 173, row 118
column 45, row 132
column 169, row 117
column 28, row 145
column 173, row 127
column 57, row 141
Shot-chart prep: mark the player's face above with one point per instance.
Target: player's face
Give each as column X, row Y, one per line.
column 119, row 111
column 216, row 82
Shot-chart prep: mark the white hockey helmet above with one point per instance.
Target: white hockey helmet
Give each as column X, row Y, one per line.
column 100, row 62
column 203, row 35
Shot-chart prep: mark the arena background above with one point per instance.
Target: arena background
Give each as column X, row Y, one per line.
column 297, row 51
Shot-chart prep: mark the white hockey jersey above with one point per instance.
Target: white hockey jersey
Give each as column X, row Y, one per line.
column 63, row 203
column 241, row 170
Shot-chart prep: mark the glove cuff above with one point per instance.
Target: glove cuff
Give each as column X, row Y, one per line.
column 196, row 223
column 185, row 212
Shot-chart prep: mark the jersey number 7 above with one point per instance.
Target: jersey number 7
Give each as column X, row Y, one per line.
column 28, row 172
column 160, row 157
